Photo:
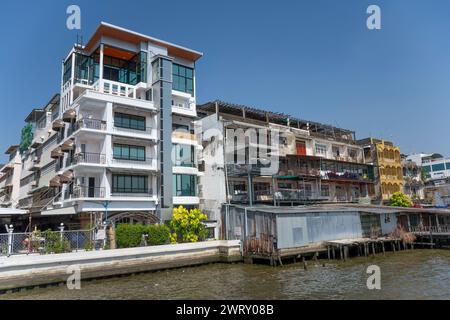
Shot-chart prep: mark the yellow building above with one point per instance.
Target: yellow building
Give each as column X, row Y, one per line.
column 388, row 166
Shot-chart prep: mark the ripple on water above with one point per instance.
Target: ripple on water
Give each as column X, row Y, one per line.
column 414, row 274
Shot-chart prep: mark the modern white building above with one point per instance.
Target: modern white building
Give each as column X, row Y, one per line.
column 118, row 142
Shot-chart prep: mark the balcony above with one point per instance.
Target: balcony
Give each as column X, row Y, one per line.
column 115, row 88
column 93, row 124
column 184, row 136
column 297, row 195
column 345, row 176
column 89, row 158
column 79, row 192
column 133, row 193
column 147, row 132
column 144, row 163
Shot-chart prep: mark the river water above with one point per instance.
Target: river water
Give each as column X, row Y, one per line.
column 412, row 274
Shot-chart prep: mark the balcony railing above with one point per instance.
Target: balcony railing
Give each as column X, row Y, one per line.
column 135, row 161
column 94, row 124
column 130, row 192
column 430, row 229
column 143, row 130
column 345, row 176
column 115, row 88
column 184, row 136
column 84, row 192
column 301, row 171
column 88, row 157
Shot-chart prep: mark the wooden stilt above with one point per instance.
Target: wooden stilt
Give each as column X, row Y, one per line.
column 328, row 252
column 334, row 253
column 305, row 265
column 340, row 252
column 373, row 248
column 382, row 247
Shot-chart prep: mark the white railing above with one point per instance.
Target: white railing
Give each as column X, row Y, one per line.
column 432, row 229
column 147, row 163
column 115, row 88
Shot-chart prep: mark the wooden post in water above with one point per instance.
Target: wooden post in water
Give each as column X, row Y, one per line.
column 398, row 245
column 333, row 252
column 340, row 251
column 382, row 247
column 328, row 252
column 305, row 265
column 373, row 248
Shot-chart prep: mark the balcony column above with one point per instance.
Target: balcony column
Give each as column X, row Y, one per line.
column 106, row 184
column 100, row 73
column 72, row 79
column 109, row 117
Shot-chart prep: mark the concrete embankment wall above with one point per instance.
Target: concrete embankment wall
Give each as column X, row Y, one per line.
column 34, row 270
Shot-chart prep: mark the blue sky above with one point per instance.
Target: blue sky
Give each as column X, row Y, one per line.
column 312, row 59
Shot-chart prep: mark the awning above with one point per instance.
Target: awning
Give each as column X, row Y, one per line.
column 69, row 115
column 68, row 145
column 59, row 211
column 56, row 153
column 12, row 212
column 55, row 182
column 66, row 177
column 58, row 124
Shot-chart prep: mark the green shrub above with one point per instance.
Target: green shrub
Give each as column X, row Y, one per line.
column 187, row 225
column 129, row 235
column 54, row 244
column 158, row 234
column 400, row 199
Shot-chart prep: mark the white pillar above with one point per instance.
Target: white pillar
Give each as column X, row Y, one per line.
column 10, row 239
column 72, row 79
column 100, row 73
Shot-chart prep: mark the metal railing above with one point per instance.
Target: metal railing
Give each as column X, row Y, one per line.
column 297, row 195
column 143, row 130
column 94, row 124
column 430, row 229
column 89, row 157
column 128, row 192
column 344, row 176
column 141, row 162
column 46, row 242
column 85, row 192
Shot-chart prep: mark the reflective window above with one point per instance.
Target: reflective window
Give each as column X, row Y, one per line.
column 183, row 78
column 184, row 185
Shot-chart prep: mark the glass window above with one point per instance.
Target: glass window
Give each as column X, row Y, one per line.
column 182, row 78
column 321, row 149
column 130, row 184
column 129, row 121
column 184, row 155
column 447, row 165
column 128, row 152
column 438, row 167
column 67, row 70
column 325, row 190
column 184, row 185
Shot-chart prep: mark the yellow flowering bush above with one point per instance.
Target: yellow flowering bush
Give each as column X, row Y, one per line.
column 187, row 225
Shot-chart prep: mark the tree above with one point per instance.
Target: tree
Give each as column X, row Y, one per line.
column 187, row 225
column 400, row 199
column 26, row 138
